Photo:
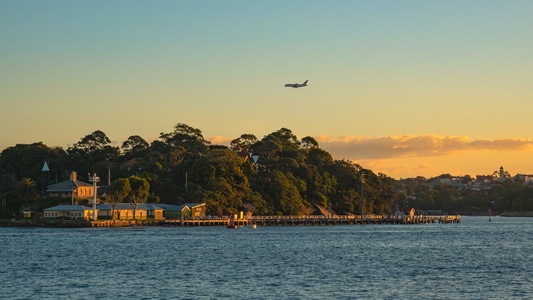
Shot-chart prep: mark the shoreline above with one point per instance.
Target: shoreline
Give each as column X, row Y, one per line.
column 517, row 214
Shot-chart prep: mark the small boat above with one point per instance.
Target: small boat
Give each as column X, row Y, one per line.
column 231, row 223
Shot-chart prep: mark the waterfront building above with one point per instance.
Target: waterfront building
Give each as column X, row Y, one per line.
column 68, row 212
column 125, row 211
column 72, row 188
column 175, row 211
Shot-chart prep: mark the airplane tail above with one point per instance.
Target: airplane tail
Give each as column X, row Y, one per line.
column 305, row 83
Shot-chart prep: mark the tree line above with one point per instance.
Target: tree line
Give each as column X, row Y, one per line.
column 276, row 175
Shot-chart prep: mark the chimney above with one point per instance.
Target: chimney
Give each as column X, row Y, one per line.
column 73, row 176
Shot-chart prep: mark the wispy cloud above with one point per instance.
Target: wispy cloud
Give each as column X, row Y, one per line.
column 359, row 147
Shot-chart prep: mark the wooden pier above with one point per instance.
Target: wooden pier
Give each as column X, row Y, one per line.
column 313, row 220
column 241, row 222
column 207, row 221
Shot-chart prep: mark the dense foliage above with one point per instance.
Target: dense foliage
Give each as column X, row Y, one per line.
column 276, row 175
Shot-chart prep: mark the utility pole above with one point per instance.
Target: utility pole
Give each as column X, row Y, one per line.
column 362, row 190
column 94, row 179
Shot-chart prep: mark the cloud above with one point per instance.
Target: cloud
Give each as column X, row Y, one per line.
column 220, row 140
column 362, row 148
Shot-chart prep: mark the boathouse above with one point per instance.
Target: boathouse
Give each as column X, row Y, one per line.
column 69, row 212
column 197, row 209
column 187, row 210
column 125, row 211
column 175, row 211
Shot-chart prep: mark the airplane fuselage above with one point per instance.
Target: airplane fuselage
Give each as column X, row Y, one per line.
column 296, row 85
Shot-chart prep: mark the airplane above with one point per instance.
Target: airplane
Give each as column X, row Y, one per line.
column 296, row 85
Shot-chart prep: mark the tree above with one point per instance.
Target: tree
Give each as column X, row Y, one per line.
column 319, row 158
column 279, row 150
column 315, row 191
column 244, row 142
column 93, row 152
column 27, row 191
column 93, row 142
column 140, row 190
column 187, row 137
column 309, row 142
column 134, row 146
column 222, row 198
column 26, row 160
column 117, row 191
column 283, row 194
column 445, row 197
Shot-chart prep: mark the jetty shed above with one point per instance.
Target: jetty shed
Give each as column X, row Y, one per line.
column 197, row 209
column 125, row 211
column 171, row 211
column 69, row 212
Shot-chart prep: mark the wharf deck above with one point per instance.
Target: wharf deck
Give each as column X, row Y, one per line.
column 207, row 221
column 313, row 220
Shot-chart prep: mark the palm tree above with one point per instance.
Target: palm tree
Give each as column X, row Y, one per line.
column 27, row 192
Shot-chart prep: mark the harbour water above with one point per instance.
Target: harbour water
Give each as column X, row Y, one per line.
column 475, row 259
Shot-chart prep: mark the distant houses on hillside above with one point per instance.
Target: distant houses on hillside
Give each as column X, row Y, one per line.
column 481, row 182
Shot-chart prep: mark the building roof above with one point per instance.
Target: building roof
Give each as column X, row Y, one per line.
column 150, row 206
column 171, row 207
column 67, row 186
column 126, row 206
column 68, row 208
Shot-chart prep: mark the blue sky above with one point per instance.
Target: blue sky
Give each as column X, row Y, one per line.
column 405, row 88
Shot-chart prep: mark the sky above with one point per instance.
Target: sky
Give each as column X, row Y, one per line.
column 404, row 88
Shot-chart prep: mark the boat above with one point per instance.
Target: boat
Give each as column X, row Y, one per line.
column 231, row 223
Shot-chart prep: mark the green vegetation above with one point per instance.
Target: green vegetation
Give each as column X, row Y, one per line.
column 290, row 176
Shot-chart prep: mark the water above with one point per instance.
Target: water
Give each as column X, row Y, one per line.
column 471, row 260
